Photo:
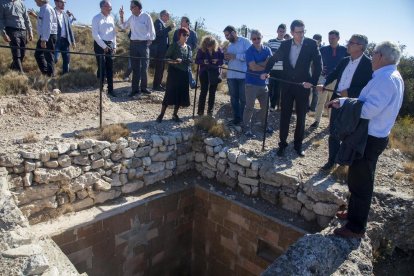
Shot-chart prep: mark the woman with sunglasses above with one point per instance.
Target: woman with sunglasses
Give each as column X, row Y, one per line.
column 210, row 57
column 177, row 90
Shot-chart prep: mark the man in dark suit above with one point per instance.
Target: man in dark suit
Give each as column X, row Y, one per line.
column 352, row 74
column 65, row 36
column 297, row 54
column 159, row 47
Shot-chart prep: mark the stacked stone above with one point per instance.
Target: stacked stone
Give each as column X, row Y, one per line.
column 277, row 184
column 78, row 175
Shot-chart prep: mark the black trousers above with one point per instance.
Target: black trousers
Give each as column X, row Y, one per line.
column 17, row 39
column 107, row 64
column 333, row 141
column 299, row 95
column 46, row 59
column 274, row 88
column 159, row 65
column 206, row 87
column 361, row 177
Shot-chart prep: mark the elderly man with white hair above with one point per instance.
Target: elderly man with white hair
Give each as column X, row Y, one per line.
column 382, row 98
column 47, row 28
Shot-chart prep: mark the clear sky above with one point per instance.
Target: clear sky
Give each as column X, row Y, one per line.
column 379, row 20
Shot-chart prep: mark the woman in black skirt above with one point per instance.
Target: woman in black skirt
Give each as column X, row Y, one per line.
column 177, row 90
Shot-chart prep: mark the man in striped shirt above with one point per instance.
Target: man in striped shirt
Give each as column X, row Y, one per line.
column 276, row 71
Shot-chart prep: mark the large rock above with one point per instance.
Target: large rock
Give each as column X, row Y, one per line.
column 151, row 178
column 327, row 190
column 132, row 187
column 280, row 175
column 85, row 180
column 51, row 175
column 164, row 156
column 212, row 142
column 33, row 193
column 324, row 254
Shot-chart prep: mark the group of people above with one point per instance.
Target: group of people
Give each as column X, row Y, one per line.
column 53, row 28
column 365, row 94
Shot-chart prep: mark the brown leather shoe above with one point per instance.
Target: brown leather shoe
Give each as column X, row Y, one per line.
column 342, row 215
column 346, row 233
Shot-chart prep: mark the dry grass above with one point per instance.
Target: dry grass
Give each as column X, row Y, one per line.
column 30, row 138
column 13, row 83
column 402, row 136
column 107, row 133
column 114, row 132
column 76, row 79
column 212, row 126
column 318, row 143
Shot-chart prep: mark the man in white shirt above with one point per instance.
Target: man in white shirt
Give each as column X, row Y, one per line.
column 104, row 35
column 382, row 98
column 47, row 31
column 142, row 35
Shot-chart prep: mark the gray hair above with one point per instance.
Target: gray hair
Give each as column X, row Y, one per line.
column 256, row 33
column 103, row 3
column 362, row 40
column 389, row 51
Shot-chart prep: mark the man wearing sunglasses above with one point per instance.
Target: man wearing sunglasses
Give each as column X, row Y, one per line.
column 142, row 35
column 301, row 64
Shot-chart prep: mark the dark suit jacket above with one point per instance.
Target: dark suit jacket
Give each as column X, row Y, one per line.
column 162, row 40
column 361, row 77
column 302, row 72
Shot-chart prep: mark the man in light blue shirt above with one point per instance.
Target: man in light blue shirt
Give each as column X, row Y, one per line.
column 235, row 55
column 47, row 28
column 382, row 97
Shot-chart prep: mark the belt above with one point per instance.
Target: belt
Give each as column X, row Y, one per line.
column 15, row 29
column 137, row 41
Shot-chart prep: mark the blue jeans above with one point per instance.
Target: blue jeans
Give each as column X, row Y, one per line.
column 237, row 97
column 191, row 79
column 62, row 44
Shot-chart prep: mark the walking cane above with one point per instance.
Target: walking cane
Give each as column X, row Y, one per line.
column 195, row 91
column 265, row 123
column 100, row 89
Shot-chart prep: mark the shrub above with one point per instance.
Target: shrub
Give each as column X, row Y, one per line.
column 77, row 79
column 402, row 135
column 114, row 132
column 14, row 83
column 212, row 126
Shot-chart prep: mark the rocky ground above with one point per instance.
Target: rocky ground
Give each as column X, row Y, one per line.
column 50, row 117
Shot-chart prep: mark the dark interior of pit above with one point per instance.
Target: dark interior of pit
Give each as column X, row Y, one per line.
column 192, row 227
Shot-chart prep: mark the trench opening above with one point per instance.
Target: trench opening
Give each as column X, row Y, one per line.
column 188, row 228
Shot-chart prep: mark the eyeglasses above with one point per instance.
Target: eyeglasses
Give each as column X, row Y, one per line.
column 300, row 32
column 353, row 43
column 256, row 38
column 186, row 35
column 376, row 52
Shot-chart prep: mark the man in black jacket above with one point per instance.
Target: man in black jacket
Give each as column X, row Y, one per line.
column 297, row 54
column 159, row 47
column 352, row 74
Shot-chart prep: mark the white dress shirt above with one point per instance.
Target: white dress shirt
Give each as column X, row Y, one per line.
column 103, row 28
column 382, row 97
column 61, row 21
column 348, row 74
column 142, row 27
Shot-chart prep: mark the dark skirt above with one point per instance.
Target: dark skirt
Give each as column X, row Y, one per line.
column 177, row 90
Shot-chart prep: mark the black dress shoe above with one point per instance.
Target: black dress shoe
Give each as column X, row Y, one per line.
column 112, row 94
column 176, row 118
column 344, row 232
column 159, row 119
column 328, row 166
column 159, row 88
column 281, row 152
column 145, row 91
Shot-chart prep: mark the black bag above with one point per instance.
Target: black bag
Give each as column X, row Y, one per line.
column 214, row 77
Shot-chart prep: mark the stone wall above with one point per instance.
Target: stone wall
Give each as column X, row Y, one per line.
column 314, row 200
column 232, row 239
column 147, row 237
column 72, row 177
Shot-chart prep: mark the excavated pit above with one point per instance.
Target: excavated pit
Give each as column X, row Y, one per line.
column 181, row 227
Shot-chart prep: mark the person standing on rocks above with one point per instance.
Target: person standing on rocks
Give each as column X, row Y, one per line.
column 236, row 58
column 257, row 56
column 65, row 37
column 47, row 28
column 15, row 26
column 104, row 35
column 177, row 92
column 350, row 76
column 142, row 35
column 159, row 47
column 382, row 98
column 302, row 64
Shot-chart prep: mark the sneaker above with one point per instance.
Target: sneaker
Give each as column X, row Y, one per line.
column 249, row 134
column 269, row 130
